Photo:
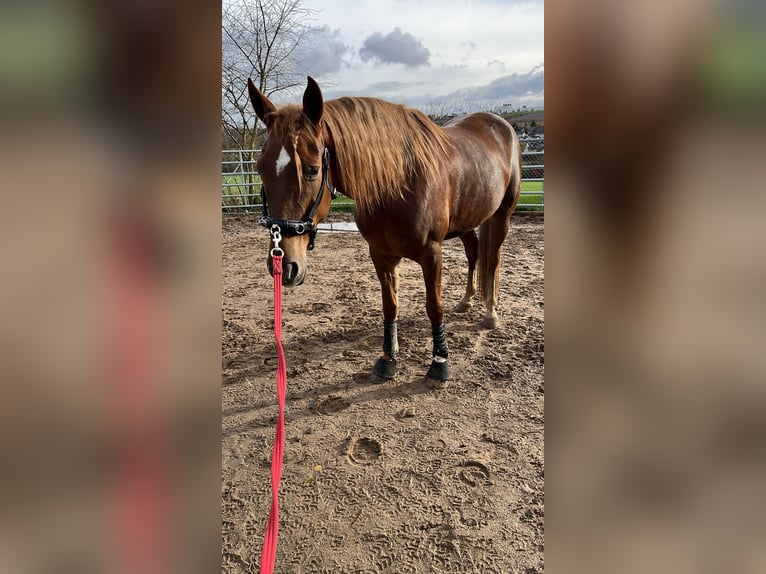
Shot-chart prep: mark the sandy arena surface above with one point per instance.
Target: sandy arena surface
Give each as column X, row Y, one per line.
column 391, row 477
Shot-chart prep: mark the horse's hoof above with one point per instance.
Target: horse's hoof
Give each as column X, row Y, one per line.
column 463, row 306
column 438, row 373
column 491, row 322
column 384, row 370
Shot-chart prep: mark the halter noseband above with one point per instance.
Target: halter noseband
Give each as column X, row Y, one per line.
column 291, row 227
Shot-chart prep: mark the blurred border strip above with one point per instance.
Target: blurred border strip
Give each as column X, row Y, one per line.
column 655, row 286
column 110, row 162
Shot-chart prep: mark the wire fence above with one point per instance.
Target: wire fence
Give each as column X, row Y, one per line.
column 241, row 183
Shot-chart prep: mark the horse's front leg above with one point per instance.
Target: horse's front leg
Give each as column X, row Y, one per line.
column 439, row 371
column 388, row 272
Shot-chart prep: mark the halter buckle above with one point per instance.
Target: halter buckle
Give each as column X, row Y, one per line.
column 276, row 237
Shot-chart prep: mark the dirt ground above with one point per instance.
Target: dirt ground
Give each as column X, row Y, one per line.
column 391, row 477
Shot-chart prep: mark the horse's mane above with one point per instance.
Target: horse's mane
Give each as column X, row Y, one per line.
column 381, row 147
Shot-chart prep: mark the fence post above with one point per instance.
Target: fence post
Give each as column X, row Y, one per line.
column 243, row 187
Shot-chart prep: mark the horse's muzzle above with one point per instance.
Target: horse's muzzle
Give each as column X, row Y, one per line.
column 291, row 272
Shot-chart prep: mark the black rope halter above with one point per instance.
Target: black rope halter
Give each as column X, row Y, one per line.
column 291, row 227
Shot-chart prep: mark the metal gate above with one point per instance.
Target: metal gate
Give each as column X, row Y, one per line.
column 241, row 184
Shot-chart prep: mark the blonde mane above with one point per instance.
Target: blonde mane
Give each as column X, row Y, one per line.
column 382, row 147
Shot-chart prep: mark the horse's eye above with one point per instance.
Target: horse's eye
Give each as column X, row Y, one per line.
column 311, row 172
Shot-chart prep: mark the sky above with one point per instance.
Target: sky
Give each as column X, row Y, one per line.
column 438, row 55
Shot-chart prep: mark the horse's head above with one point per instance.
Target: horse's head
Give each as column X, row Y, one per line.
column 293, row 169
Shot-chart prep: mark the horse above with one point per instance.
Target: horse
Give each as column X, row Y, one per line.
column 414, row 185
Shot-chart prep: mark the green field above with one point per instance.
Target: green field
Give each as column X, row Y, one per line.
column 533, row 200
column 232, row 196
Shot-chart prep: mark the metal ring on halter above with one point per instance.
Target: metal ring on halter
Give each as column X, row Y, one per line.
column 276, row 237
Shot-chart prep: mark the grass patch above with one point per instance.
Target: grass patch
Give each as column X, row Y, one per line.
column 342, row 204
column 532, row 198
column 530, row 203
column 532, row 186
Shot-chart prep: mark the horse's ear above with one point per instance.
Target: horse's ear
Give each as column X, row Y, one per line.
column 261, row 103
column 313, row 104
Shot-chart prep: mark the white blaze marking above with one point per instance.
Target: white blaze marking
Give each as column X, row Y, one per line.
column 283, row 161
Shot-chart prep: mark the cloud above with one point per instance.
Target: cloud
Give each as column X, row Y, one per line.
column 499, row 65
column 527, row 88
column 517, row 89
column 395, row 48
column 324, row 53
column 392, row 86
column 518, row 86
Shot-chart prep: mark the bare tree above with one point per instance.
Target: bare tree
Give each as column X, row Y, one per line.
column 437, row 108
column 262, row 40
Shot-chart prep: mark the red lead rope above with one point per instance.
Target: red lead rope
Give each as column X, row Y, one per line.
column 269, row 552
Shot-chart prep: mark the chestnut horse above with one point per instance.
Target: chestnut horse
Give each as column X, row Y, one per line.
column 414, row 184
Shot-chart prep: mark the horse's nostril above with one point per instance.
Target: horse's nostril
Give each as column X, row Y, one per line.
column 290, row 270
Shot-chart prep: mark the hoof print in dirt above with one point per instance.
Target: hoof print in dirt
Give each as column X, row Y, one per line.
column 363, row 450
column 473, row 473
column 405, row 414
column 331, row 405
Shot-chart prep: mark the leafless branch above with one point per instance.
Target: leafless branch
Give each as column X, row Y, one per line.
column 260, row 40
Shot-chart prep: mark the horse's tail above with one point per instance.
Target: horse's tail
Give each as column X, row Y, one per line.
column 483, row 266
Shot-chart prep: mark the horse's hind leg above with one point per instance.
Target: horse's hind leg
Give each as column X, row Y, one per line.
column 492, row 233
column 388, row 274
column 471, row 245
column 491, row 236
